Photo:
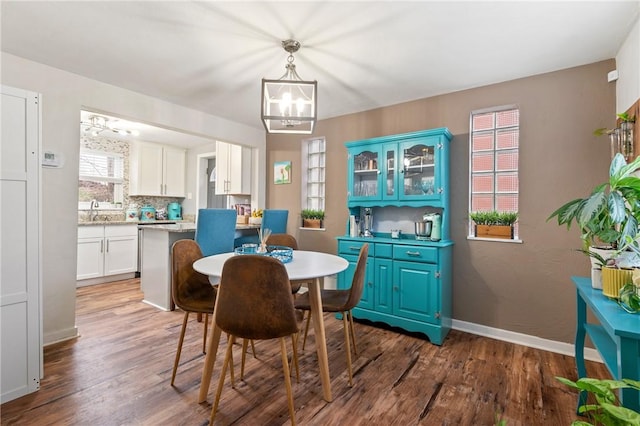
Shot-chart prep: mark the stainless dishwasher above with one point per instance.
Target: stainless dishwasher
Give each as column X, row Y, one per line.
column 140, row 225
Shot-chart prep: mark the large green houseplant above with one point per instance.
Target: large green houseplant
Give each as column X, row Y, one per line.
column 611, row 213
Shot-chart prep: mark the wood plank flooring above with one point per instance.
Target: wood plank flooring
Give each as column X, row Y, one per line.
column 118, row 373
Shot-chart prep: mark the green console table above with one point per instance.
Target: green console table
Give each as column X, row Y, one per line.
column 617, row 338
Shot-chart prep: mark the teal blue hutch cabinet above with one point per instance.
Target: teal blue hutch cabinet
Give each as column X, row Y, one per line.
column 408, row 280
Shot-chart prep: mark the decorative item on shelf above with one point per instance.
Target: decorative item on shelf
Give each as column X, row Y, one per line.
column 494, row 224
column 312, row 218
column 148, row 212
column 263, row 236
column 613, row 279
column 289, row 104
column 621, row 138
column 608, row 217
column 629, row 294
column 256, row 217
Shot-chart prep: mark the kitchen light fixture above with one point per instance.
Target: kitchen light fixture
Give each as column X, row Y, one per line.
column 98, row 124
column 289, row 103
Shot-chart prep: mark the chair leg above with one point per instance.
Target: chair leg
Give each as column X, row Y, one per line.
column 294, row 356
column 204, row 337
column 229, row 355
column 345, row 325
column 306, row 329
column 353, row 333
column 287, row 379
column 244, row 353
column 253, row 349
column 180, row 341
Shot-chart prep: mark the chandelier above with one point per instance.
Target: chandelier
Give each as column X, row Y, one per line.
column 289, row 104
column 98, row 124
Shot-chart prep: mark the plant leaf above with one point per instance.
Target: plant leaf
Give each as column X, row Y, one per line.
column 592, row 207
column 617, row 210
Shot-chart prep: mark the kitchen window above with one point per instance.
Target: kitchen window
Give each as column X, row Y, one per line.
column 313, row 173
column 493, row 161
column 101, row 179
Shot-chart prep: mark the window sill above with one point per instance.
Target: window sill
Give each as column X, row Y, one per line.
column 304, row 228
column 495, row 240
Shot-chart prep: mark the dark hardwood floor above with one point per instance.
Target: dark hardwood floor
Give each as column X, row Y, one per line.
column 118, row 372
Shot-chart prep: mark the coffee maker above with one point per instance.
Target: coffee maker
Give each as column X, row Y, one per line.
column 368, row 223
column 174, row 211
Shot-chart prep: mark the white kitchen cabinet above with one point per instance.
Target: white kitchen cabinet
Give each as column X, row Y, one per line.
column 157, row 170
column 233, row 169
column 107, row 250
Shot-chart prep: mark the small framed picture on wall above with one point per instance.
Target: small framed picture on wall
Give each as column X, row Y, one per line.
column 281, row 172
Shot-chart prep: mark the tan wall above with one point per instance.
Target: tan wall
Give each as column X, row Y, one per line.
column 524, row 288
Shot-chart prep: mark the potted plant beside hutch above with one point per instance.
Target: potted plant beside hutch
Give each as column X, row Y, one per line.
column 312, row 218
column 494, row 224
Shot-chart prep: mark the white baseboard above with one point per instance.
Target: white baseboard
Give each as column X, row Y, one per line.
column 524, row 339
column 60, row 336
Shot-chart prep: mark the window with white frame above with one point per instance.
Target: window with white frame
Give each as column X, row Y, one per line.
column 313, row 177
column 101, row 179
column 493, row 161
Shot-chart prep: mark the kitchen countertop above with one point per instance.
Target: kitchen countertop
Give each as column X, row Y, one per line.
column 175, row 227
column 189, row 226
column 129, row 222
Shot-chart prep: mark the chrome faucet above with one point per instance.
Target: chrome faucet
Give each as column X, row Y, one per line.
column 93, row 213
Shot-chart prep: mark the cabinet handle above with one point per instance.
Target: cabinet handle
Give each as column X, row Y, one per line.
column 370, row 283
column 352, row 248
column 396, row 288
column 102, row 246
column 437, row 315
column 160, row 189
column 107, row 246
column 413, row 253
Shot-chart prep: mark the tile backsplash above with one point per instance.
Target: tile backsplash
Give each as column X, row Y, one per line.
column 106, row 144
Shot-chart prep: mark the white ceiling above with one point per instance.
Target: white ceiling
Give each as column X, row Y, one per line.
column 211, row 56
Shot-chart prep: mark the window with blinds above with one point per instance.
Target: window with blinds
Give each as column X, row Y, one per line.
column 495, row 140
column 101, row 179
column 313, row 167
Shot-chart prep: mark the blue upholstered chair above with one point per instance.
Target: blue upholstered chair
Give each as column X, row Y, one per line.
column 215, row 230
column 275, row 220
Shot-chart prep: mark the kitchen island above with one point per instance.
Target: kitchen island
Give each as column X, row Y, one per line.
column 155, row 269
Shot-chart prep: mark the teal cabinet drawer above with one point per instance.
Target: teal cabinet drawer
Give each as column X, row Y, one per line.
column 384, row 250
column 353, row 247
column 415, row 254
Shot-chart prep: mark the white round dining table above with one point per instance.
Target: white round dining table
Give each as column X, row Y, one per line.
column 305, row 265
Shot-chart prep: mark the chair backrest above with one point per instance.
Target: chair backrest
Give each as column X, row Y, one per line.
column 189, row 287
column 357, row 284
column 282, row 240
column 216, row 230
column 275, row 220
column 254, row 298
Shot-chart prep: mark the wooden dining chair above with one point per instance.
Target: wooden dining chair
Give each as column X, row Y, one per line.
column 290, row 241
column 191, row 290
column 342, row 301
column 254, row 302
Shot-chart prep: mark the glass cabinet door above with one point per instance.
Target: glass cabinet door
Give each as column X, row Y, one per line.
column 390, row 170
column 364, row 174
column 418, row 175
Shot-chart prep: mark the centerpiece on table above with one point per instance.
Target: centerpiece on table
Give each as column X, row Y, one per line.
column 608, row 219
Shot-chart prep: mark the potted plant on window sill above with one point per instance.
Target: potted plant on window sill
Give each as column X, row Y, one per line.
column 312, row 218
column 608, row 218
column 494, row 224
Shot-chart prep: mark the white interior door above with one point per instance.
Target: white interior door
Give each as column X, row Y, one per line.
column 20, row 312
